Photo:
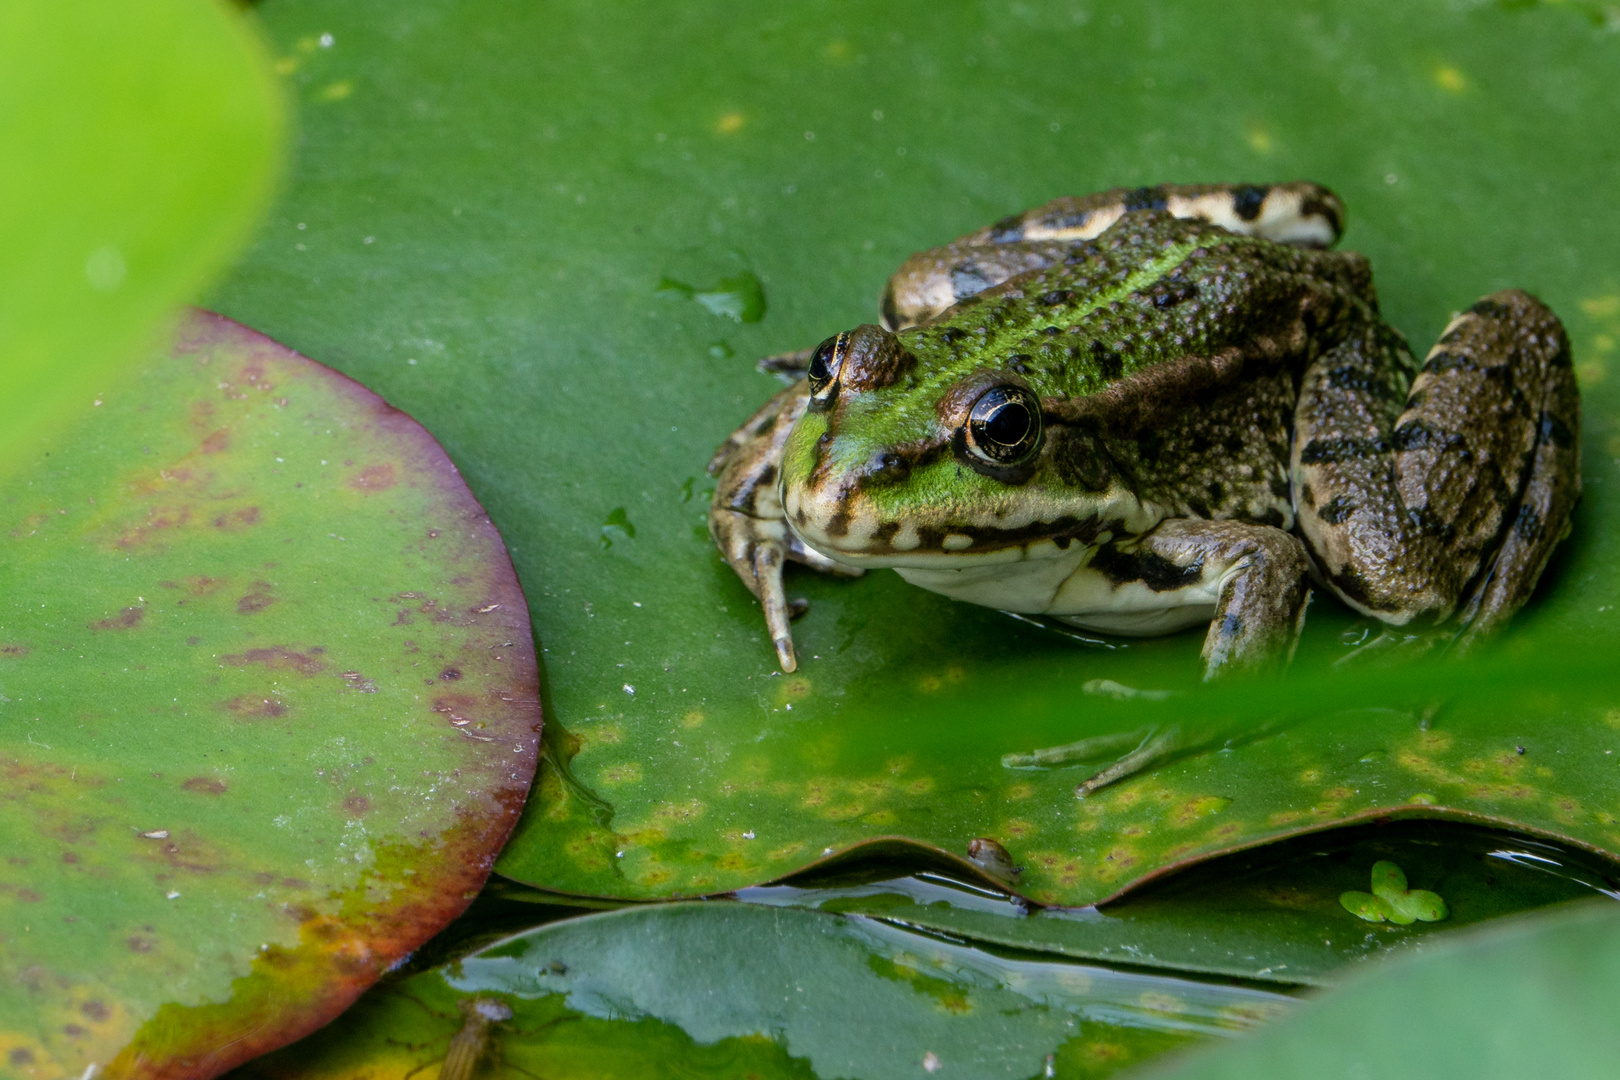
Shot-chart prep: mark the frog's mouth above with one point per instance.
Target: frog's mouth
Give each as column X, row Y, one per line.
column 847, row 528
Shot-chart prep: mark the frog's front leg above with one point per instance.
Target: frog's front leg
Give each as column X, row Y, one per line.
column 746, row 519
column 1441, row 504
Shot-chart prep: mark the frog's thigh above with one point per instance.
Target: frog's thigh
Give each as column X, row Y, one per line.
column 1249, row 582
column 1457, row 500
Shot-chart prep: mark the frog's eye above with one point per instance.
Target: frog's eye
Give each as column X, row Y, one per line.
column 1004, row 427
column 824, row 366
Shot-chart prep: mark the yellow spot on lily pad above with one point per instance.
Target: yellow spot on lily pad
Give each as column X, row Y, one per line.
column 920, row 786
column 286, row 65
column 1601, row 307
column 1590, row 373
column 1259, row 139
column 628, row 772
column 1017, row 828
column 730, row 123
column 881, row 817
column 1019, row 792
column 679, row 812
column 1201, row 807
column 1450, row 79
column 336, row 91
column 693, row 719
column 1310, row 776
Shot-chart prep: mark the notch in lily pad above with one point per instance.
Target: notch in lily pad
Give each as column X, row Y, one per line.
column 740, row 297
column 1390, row 899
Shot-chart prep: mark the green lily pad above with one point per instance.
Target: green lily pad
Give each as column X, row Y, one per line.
column 1529, row 998
column 687, row 990
column 138, row 145
column 267, row 711
column 522, row 203
column 1274, row 914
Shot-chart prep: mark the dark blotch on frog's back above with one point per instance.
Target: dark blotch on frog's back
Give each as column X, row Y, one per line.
column 876, row 359
column 1248, row 201
column 1146, row 198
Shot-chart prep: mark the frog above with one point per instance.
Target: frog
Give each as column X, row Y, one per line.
column 1156, row 408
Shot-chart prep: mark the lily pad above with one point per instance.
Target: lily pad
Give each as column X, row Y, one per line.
column 267, row 711
column 138, row 148
column 1532, row 998
column 1273, row 914
column 479, row 226
column 686, row 990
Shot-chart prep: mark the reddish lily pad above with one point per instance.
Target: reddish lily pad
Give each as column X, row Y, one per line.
column 269, row 710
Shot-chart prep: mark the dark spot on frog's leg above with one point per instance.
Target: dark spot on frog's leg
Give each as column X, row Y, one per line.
column 884, row 534
column 1108, row 362
column 767, row 476
column 1055, row 297
column 1529, row 525
column 1153, row 570
column 1316, row 206
column 1020, row 362
column 1280, row 488
column 1556, row 431
column 1427, row 523
column 1421, row 435
column 1337, row 509
column 1271, row 516
column 1562, row 359
column 1248, row 200
column 952, row 334
column 1328, row 451
column 1007, row 230
column 1307, row 497
column 889, row 309
column 1146, row 198
column 838, row 524
column 1491, row 309
column 1216, row 492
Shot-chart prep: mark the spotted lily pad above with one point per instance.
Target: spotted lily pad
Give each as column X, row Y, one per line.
column 479, row 227
column 686, row 990
column 267, row 711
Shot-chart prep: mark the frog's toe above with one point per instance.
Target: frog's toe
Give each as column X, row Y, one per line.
column 778, row 609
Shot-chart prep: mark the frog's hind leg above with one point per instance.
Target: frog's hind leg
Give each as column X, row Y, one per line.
column 1301, row 214
column 1441, row 504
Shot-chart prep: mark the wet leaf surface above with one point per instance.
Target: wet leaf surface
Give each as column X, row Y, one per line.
column 689, row 990
column 1272, row 914
column 138, row 147
column 479, row 227
column 1530, row 998
column 267, row 711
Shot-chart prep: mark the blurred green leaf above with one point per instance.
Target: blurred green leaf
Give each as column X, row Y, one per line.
column 138, row 143
column 491, row 192
column 1531, row 998
column 267, row 711
column 728, row 990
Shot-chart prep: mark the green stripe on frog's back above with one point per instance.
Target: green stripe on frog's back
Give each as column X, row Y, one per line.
column 1075, row 348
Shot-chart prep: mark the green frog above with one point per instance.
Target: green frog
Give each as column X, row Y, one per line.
column 1150, row 409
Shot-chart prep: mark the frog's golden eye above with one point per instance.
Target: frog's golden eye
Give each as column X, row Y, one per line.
column 825, row 363
column 1004, row 427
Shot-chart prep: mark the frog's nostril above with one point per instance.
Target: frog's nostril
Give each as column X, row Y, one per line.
column 888, row 466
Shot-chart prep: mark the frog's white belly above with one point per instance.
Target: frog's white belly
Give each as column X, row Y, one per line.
column 1062, row 584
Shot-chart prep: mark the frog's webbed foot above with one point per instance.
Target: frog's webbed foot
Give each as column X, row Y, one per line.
column 746, row 519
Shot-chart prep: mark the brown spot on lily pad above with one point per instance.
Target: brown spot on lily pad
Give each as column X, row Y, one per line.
column 238, row 519
column 127, row 619
column 205, row 785
column 375, row 478
column 248, row 708
column 356, row 805
column 276, row 659
column 259, row 598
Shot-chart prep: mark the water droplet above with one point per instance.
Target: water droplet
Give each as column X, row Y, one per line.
column 740, row 297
